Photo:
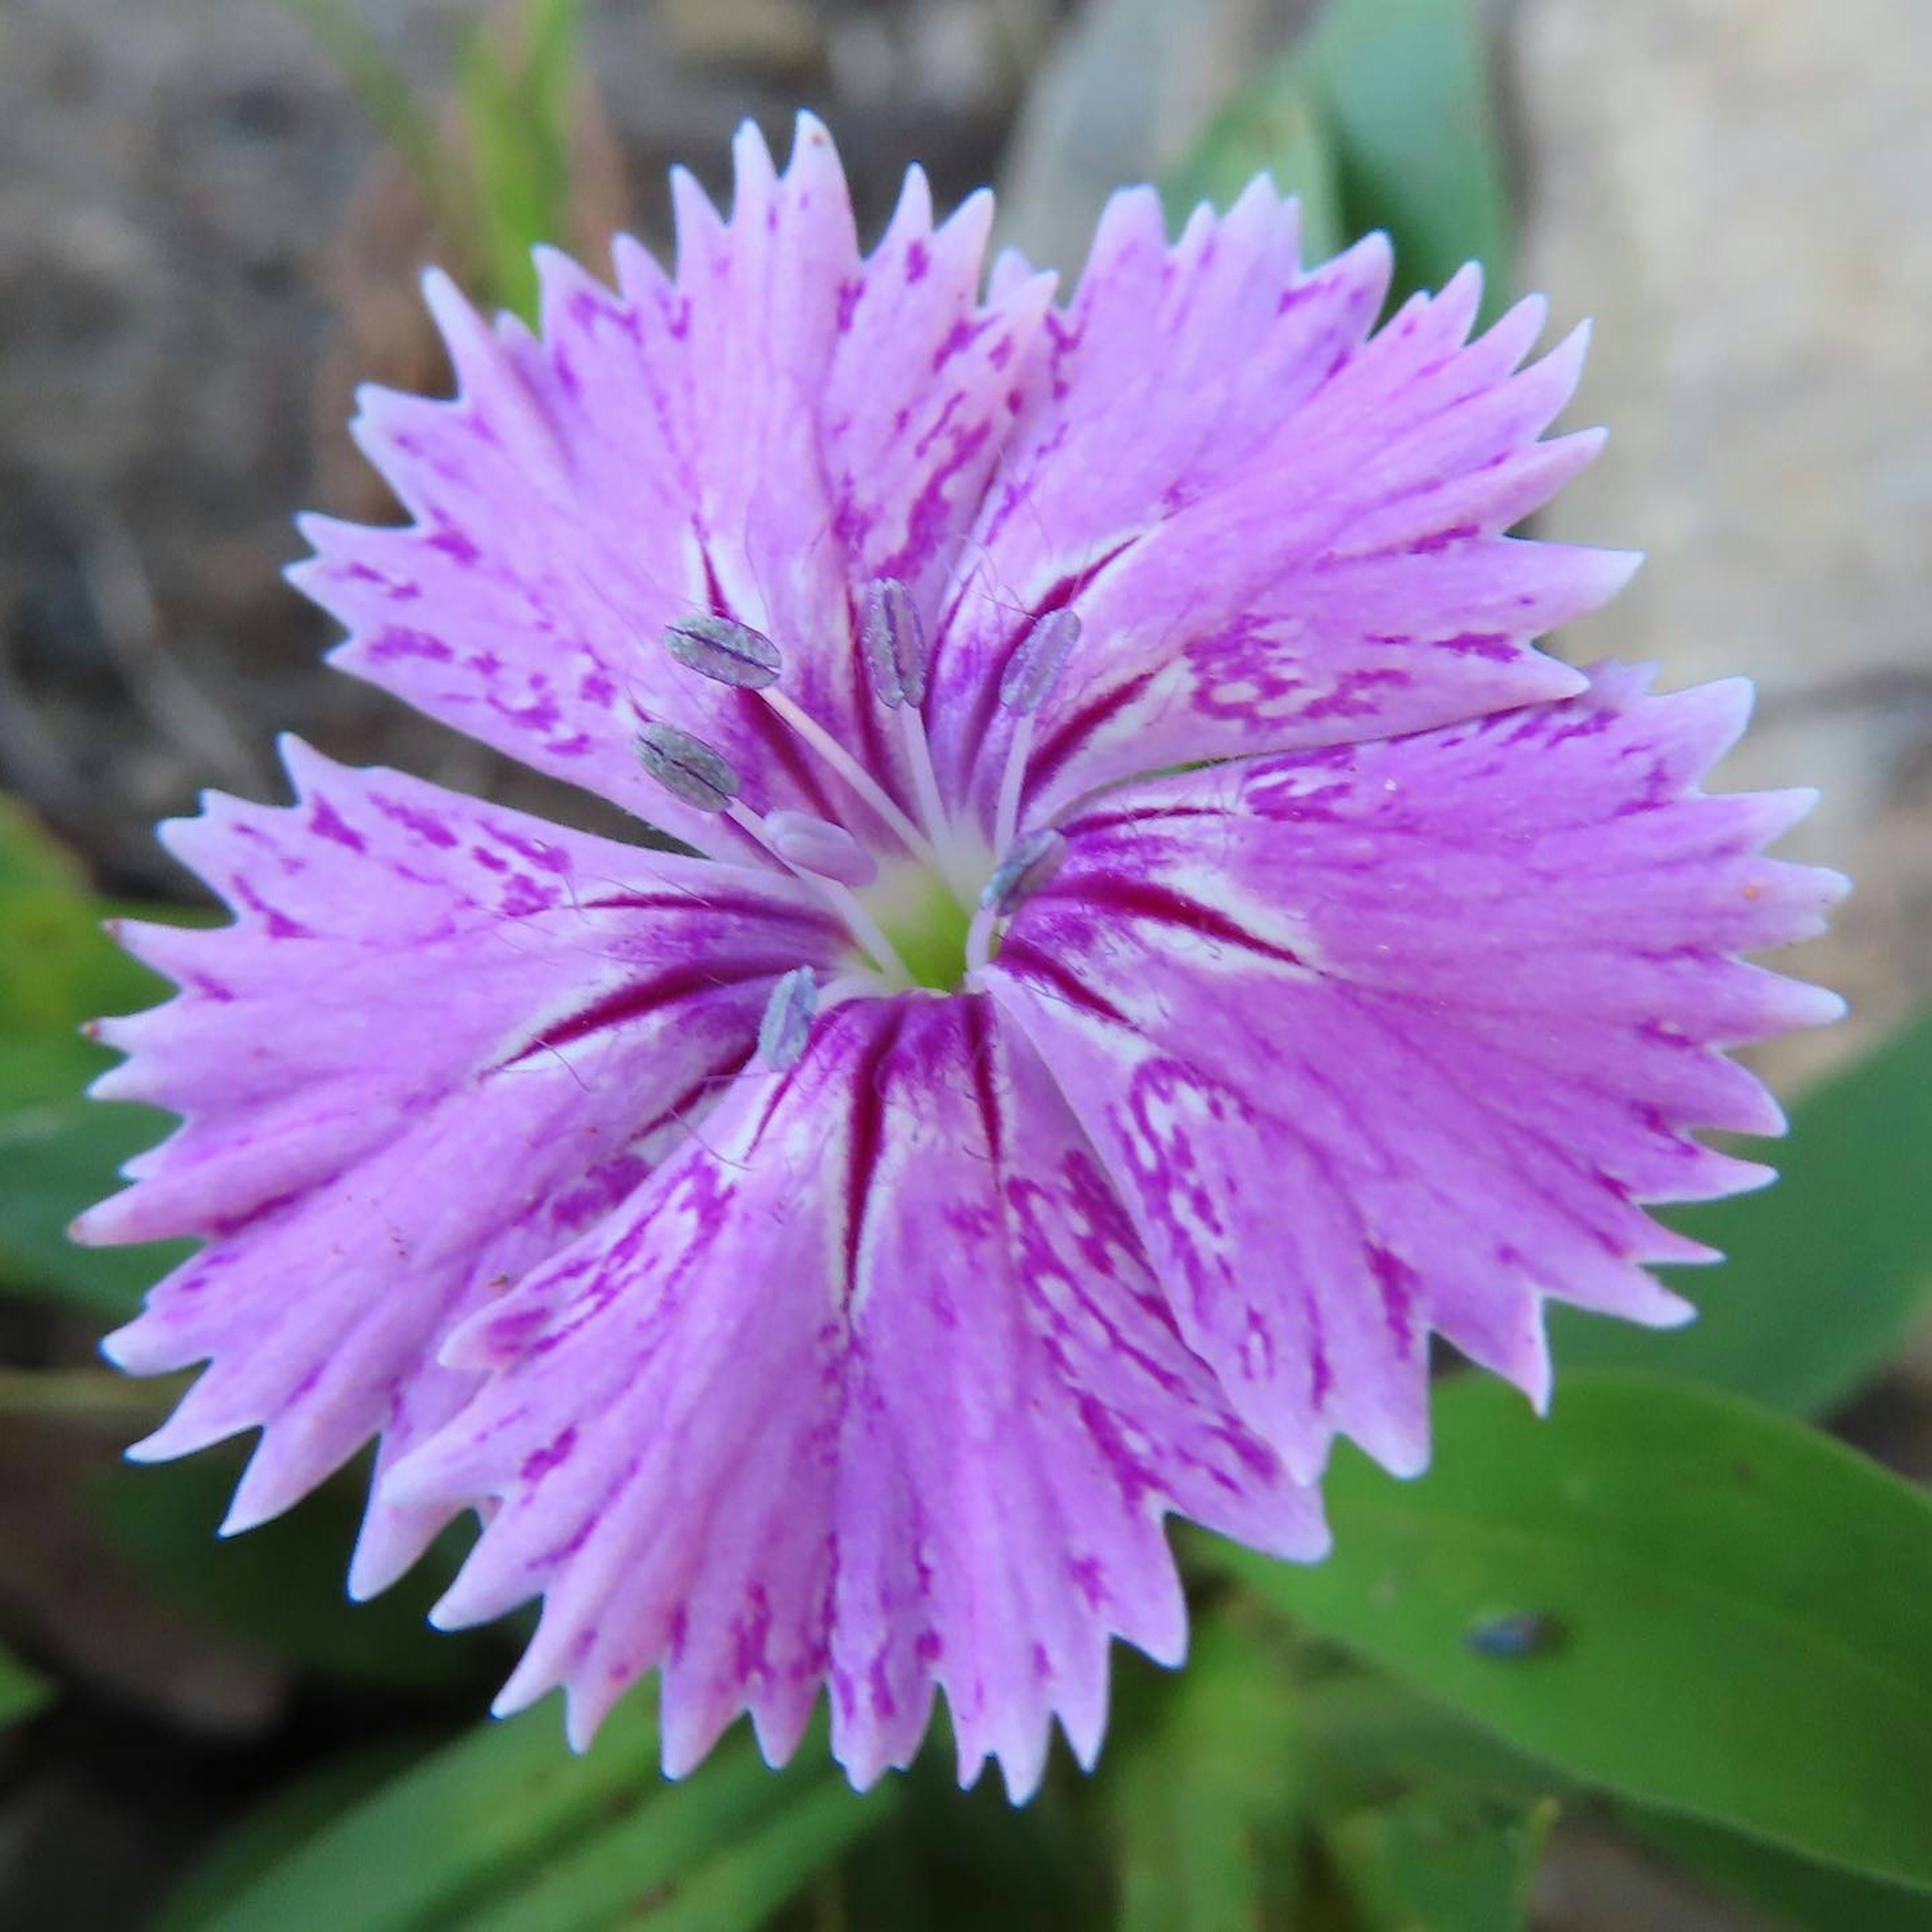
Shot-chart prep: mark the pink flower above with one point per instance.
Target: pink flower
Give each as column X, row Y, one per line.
column 1162, row 943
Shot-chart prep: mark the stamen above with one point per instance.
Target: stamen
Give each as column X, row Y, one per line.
column 687, row 767
column 862, row 926
column 1038, row 659
column 1021, row 873
column 894, row 641
column 789, row 1013
column 854, row 774
column 817, row 845
column 724, row 650
column 898, row 660
column 1030, row 674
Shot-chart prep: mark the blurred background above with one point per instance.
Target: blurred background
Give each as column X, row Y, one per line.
column 211, row 216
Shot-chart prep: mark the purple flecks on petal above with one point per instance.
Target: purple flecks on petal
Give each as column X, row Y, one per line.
column 745, row 1317
column 870, row 1358
column 1379, row 1012
column 338, row 1084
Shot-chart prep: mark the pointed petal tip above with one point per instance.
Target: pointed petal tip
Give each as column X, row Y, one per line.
column 1464, row 289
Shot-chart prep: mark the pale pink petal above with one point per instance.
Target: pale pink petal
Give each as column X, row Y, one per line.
column 757, row 436
column 873, row 1388
column 1278, row 532
column 440, row 1040
column 1401, row 1037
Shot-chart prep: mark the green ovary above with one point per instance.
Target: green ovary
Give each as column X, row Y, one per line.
column 924, row 922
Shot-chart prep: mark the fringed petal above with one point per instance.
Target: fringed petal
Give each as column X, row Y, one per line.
column 1402, row 1037
column 872, row 1388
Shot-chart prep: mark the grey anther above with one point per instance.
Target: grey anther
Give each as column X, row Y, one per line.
column 1036, row 663
column 687, row 767
column 789, row 1013
column 1027, row 867
column 724, row 650
column 893, row 639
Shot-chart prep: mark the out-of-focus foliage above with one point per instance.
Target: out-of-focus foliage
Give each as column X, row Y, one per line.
column 22, row 1694
column 1210, row 1799
column 1664, row 1593
column 505, row 1831
column 1451, row 1861
column 496, row 176
column 1274, row 128
column 1380, row 118
column 59, row 1152
column 1792, row 1891
column 1828, row 1270
column 279, row 1589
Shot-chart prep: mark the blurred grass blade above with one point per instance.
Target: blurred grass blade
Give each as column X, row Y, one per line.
column 31, row 860
column 1792, row 1890
column 1208, row 1799
column 399, row 114
column 696, row 1859
column 450, row 1832
column 1453, row 1862
column 517, row 113
column 1662, row 1592
column 1828, row 1270
column 21, row 1692
column 506, row 1828
column 271, row 1829
column 1273, row 127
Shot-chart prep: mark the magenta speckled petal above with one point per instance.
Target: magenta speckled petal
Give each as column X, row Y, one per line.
column 440, row 1040
column 1423, row 1023
column 1277, row 534
column 1169, row 945
column 766, row 432
column 873, row 1388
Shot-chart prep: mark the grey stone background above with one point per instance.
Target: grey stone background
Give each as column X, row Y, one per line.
column 199, row 239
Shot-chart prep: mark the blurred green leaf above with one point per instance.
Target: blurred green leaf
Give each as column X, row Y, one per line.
column 723, row 1849
column 100, row 1397
column 1380, row 118
column 30, row 860
column 1403, row 85
column 21, row 1692
column 59, row 1152
column 1827, row 1271
column 1433, row 1862
column 1208, row 1800
column 507, row 1828
column 1271, row 126
column 1792, row 1890
column 1372, row 1739
column 955, row 1861
column 1707, row 1608
column 279, row 1587
column 271, row 1829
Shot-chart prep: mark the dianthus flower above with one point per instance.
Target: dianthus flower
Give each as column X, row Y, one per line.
column 1160, row 944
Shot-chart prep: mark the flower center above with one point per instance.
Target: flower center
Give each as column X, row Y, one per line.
column 918, row 911
column 930, row 917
